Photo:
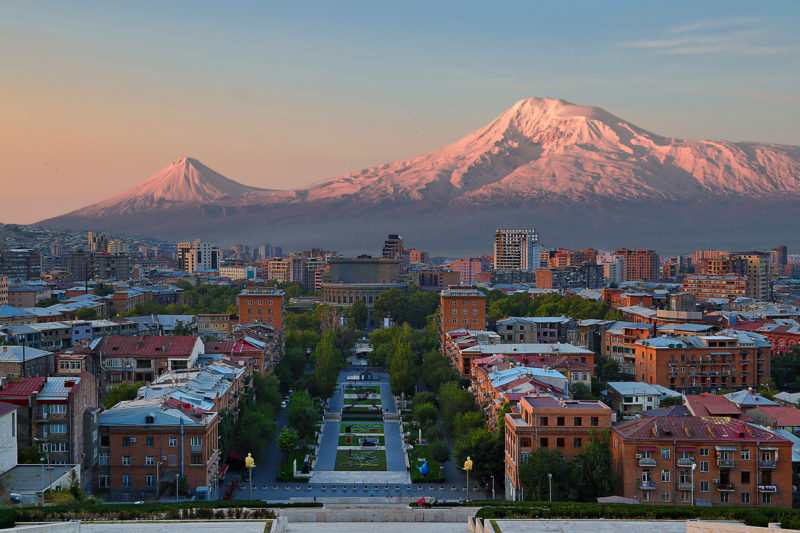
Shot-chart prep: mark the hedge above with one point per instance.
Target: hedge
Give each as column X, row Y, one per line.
column 6, row 518
column 217, row 510
column 760, row 516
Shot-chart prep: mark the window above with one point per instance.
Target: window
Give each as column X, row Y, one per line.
column 58, row 409
column 149, row 460
column 685, row 496
column 665, row 453
column 126, row 442
column 560, row 421
column 595, row 421
column 150, row 441
column 704, row 486
column 645, row 496
column 173, row 442
column 746, row 497
column 543, row 420
column 103, row 481
column 249, row 302
column 724, row 497
column 666, row 496
column 58, row 447
column 149, row 480
column 126, row 460
column 13, row 424
column 58, row 428
column 704, row 466
column 197, row 459
column 766, row 497
column 269, row 302
column 104, row 458
column 261, row 302
column 745, row 455
column 173, row 460
column 577, row 442
column 126, row 481
column 560, row 442
column 577, row 421
column 665, row 476
column 745, row 478
column 197, row 442
column 543, row 442
column 646, row 477
column 455, row 311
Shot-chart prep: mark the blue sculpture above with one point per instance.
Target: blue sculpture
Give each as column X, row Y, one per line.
column 424, row 469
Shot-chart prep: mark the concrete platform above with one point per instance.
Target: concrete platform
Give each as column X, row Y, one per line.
column 348, row 477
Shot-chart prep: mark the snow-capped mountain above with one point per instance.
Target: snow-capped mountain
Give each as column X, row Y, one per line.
column 577, row 172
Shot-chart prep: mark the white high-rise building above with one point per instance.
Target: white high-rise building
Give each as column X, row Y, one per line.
column 198, row 255
column 517, row 249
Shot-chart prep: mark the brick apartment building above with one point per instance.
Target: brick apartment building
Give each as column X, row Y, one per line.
column 782, row 337
column 462, row 308
column 3, row 290
column 534, row 329
column 146, row 444
column 737, row 463
column 262, row 305
column 728, row 286
column 547, row 422
column 694, row 364
column 24, row 361
column 640, row 265
column 132, row 359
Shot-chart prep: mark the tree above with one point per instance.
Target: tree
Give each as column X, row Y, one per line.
column 425, row 414
column 581, row 392
column 288, row 440
column 302, row 415
column 254, row 428
column 328, row 363
column 467, row 422
column 452, row 401
column 47, row 302
column 121, row 392
column 767, row 389
column 393, row 304
column 32, row 455
column 785, row 371
column 486, row 451
column 544, row 469
column 181, row 329
column 402, row 374
column 103, row 289
column 358, row 314
column 439, row 450
column 328, row 316
column 86, row 313
column 597, row 477
column 671, row 400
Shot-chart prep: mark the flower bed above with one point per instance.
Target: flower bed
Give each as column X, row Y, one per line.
column 364, row 428
column 360, row 460
column 347, row 440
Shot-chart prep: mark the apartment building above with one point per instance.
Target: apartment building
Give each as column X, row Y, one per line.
column 517, row 249
column 715, row 460
column 694, row 364
column 468, row 269
column 219, row 325
column 619, row 343
column 3, row 290
column 20, row 263
column 145, row 445
column 24, row 361
column 132, row 359
column 729, row 286
column 461, row 308
column 8, row 436
column 199, row 254
column 640, row 265
column 24, row 295
column 262, row 305
column 755, row 266
column 547, row 422
column 534, row 329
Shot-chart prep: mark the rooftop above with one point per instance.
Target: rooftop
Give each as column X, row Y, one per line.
column 695, row 428
column 15, row 354
column 551, row 402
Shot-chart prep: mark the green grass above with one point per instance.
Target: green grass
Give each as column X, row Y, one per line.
column 361, row 388
column 357, row 427
column 361, row 460
column 356, row 402
column 355, row 419
column 433, row 467
column 354, row 440
column 285, row 472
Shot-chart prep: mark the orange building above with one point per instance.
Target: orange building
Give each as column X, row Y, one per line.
column 729, row 286
column 735, row 463
column 462, row 308
column 262, row 305
column 695, row 364
column 639, row 264
column 544, row 421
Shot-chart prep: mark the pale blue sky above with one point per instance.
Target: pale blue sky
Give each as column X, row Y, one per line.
column 97, row 96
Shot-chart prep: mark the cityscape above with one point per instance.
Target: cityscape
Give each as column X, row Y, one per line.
column 486, row 268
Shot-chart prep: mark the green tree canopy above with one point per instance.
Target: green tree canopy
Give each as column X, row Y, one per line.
column 303, row 415
column 86, row 313
column 357, row 314
column 288, row 440
column 393, row 304
column 328, row 362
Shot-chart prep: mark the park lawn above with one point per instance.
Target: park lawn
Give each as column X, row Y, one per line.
column 433, row 467
column 361, row 460
column 361, row 411
column 354, row 441
column 356, row 390
column 285, row 472
column 361, row 427
column 355, row 419
column 356, row 401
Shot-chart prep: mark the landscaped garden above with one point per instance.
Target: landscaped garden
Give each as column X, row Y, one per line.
column 362, row 428
column 361, row 460
column 416, row 456
column 352, row 440
column 362, row 388
column 355, row 401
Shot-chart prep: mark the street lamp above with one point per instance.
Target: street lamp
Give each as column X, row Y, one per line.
column 550, row 485
column 467, row 468
column 694, row 465
column 42, row 460
column 492, row 486
column 249, row 463
column 158, row 477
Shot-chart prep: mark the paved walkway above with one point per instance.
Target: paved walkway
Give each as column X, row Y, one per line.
column 595, row 526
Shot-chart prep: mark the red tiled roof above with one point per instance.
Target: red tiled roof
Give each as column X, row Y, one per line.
column 22, row 389
column 782, row 415
column 244, row 346
column 711, row 405
column 147, row 346
column 694, row 428
column 225, row 347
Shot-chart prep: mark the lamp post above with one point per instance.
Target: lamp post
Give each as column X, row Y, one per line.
column 492, row 487
column 694, row 465
column 550, row 485
column 42, row 461
column 467, row 468
column 158, row 476
column 249, row 462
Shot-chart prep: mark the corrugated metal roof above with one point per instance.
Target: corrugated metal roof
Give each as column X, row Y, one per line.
column 13, row 354
column 58, row 388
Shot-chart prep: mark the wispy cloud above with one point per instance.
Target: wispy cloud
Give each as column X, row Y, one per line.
column 742, row 35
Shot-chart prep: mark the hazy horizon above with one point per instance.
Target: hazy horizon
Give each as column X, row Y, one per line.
column 99, row 97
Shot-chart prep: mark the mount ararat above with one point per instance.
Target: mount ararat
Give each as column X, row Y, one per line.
column 580, row 175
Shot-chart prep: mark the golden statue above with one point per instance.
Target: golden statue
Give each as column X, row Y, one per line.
column 249, row 462
column 468, row 464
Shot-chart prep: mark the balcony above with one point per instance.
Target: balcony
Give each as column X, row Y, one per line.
column 767, row 465
column 726, row 487
column 647, row 461
column 768, row 488
column 647, row 485
column 196, row 448
column 725, row 463
column 685, row 485
column 685, row 462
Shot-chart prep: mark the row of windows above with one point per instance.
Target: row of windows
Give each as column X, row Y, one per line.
column 455, row 321
column 724, row 455
column 150, row 441
column 544, row 442
column 464, row 311
column 724, row 497
column 260, row 302
column 260, row 311
column 576, row 421
column 150, row 460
